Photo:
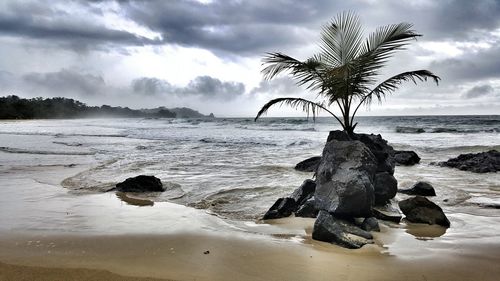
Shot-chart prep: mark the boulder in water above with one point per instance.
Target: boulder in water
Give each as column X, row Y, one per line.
column 484, row 162
column 386, row 187
column 387, row 213
column 421, row 188
column 421, row 210
column 308, row 165
column 333, row 230
column 141, row 183
column 406, row 157
column 344, row 179
column 283, row 207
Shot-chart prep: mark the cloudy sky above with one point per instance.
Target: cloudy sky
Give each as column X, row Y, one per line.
column 207, row 54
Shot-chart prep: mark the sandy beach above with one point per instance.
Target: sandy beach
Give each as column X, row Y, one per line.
column 173, row 242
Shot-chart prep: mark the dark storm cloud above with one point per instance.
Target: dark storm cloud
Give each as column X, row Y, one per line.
column 479, row 91
column 482, row 64
column 205, row 87
column 66, row 81
column 30, row 20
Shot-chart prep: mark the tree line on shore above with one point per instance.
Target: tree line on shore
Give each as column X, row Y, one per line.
column 14, row 107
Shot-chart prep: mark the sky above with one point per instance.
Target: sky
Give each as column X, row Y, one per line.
column 207, row 55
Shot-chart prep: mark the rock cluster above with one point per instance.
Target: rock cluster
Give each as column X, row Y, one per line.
column 484, row 162
column 354, row 179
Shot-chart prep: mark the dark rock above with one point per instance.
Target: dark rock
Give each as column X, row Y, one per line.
column 307, row 210
column 338, row 135
column 387, row 213
column 283, row 207
column 421, row 210
column 406, row 157
column 370, row 224
column 382, row 151
column 141, row 183
column 344, row 179
column 327, row 228
column 386, row 187
column 304, row 192
column 420, row 188
column 308, row 165
column 484, row 162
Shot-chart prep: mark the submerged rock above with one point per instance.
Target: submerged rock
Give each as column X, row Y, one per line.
column 421, row 188
column 283, row 207
column 308, row 165
column 344, row 179
column 141, row 183
column 308, row 209
column 406, row 157
column 330, row 229
column 421, row 210
column 484, row 162
column 386, row 187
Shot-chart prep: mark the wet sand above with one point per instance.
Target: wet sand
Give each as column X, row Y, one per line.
column 184, row 256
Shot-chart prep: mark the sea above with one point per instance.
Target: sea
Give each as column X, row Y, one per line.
column 235, row 168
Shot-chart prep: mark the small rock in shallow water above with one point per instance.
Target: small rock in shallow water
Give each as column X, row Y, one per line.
column 421, row 188
column 283, row 207
column 308, row 165
column 421, row 210
column 141, row 183
column 406, row 157
column 206, row 252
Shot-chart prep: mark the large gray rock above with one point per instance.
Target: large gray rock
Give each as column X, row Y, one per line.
column 406, row 157
column 344, row 179
column 421, row 188
column 386, row 187
column 283, row 207
column 330, row 229
column 421, row 210
column 141, row 183
column 308, row 165
column 484, row 162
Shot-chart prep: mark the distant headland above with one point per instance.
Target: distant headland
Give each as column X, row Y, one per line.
column 14, row 107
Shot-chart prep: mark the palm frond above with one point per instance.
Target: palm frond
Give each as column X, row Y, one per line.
column 310, row 107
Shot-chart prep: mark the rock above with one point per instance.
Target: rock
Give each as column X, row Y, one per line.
column 406, row 157
column 386, row 187
column 327, row 228
column 141, row 183
column 420, row 188
column 387, row 213
column 304, row 192
column 381, row 150
column 370, row 224
column 283, row 207
column 344, row 179
column 308, row 165
column 421, row 210
column 339, row 136
column 307, row 210
column 484, row 162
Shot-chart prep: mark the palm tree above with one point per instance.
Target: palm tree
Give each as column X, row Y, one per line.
column 345, row 71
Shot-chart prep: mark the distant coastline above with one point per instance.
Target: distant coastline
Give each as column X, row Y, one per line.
column 14, row 107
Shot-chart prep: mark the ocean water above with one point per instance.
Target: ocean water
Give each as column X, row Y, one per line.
column 236, row 168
